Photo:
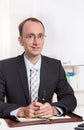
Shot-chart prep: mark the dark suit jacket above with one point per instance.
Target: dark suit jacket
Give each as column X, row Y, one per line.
column 14, row 85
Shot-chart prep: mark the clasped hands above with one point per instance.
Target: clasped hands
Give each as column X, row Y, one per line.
column 37, row 109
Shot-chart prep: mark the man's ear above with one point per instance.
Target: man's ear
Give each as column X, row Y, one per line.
column 20, row 41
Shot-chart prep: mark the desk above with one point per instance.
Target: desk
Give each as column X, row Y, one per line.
column 57, row 126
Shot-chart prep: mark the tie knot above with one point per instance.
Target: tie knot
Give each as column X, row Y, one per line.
column 33, row 69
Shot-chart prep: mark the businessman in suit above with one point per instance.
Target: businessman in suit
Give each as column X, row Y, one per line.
column 15, row 88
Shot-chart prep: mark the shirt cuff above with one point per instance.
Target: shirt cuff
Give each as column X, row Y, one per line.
column 14, row 113
column 60, row 111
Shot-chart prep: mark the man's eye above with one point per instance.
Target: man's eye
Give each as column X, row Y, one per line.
column 30, row 36
column 40, row 36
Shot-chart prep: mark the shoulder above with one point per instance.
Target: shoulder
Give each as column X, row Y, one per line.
column 50, row 60
column 51, row 64
column 10, row 61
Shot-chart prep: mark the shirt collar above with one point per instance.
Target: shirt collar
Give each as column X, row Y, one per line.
column 29, row 65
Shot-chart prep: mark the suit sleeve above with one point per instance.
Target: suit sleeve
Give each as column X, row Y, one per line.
column 65, row 93
column 5, row 108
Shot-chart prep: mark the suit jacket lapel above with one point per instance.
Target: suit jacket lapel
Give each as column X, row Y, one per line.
column 23, row 75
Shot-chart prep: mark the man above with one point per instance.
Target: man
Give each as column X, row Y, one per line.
column 15, row 76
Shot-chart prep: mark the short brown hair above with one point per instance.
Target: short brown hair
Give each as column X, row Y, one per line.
column 20, row 27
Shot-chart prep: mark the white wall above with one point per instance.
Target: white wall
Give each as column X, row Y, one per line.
column 4, row 29
column 63, row 20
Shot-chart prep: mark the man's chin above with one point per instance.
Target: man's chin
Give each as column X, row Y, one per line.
column 35, row 55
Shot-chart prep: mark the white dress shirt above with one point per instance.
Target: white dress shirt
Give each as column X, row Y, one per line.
column 29, row 65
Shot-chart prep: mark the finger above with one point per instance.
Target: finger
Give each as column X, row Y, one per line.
column 38, row 104
column 44, row 115
column 42, row 112
column 45, row 112
column 21, row 114
column 45, row 105
column 29, row 113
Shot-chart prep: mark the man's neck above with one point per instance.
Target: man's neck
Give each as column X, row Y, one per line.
column 32, row 59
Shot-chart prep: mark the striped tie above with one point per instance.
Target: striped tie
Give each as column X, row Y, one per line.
column 34, row 85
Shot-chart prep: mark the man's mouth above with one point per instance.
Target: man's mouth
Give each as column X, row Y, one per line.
column 35, row 48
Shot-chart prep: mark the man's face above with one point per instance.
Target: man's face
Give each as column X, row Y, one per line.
column 32, row 38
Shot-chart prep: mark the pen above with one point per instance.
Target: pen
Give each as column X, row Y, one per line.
column 43, row 98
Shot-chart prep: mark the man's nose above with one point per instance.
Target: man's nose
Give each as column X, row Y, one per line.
column 36, row 40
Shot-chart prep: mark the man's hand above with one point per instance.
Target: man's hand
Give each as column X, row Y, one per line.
column 37, row 109
column 28, row 112
column 45, row 110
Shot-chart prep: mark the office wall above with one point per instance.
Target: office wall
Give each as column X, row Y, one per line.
column 12, row 12
column 63, row 20
column 4, row 29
